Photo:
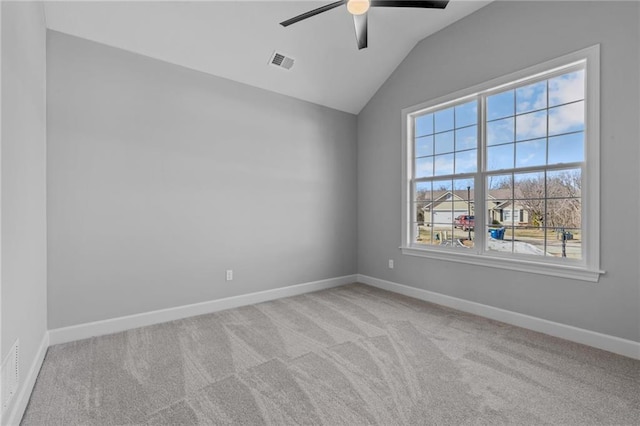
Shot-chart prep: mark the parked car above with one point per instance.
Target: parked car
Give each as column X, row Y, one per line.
column 465, row 222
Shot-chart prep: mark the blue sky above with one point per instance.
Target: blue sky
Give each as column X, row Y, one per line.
column 541, row 123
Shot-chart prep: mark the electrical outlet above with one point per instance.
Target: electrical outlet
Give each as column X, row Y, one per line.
column 229, row 275
column 391, row 264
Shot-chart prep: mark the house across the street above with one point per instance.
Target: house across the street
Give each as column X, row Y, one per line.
column 445, row 206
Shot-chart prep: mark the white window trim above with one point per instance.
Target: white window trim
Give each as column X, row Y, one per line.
column 589, row 269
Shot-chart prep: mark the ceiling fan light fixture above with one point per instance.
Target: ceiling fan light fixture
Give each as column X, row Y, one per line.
column 358, row 7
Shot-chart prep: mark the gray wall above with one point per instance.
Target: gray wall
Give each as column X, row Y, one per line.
column 502, row 38
column 160, row 178
column 23, row 197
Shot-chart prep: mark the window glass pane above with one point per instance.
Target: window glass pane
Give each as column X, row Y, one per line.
column 567, row 148
column 466, row 161
column 462, row 185
column 529, row 240
column 564, row 183
column 442, row 197
column 424, row 146
column 461, row 238
column 442, row 189
column 419, row 210
column 424, row 125
column 501, row 105
column 531, row 153
column 493, row 214
column 443, row 210
column 464, row 212
column 466, row 114
column 463, row 197
column 499, row 210
column 566, row 88
column 424, row 167
column 566, row 118
column 500, row 131
column 567, row 244
column 499, row 193
column 501, row 240
column 467, row 138
column 531, row 126
column 500, row 157
column 500, row 183
column 422, row 191
column 530, row 212
column 444, row 142
column 532, row 97
column 422, row 233
column 443, row 164
column 529, row 185
column 564, row 213
column 443, row 235
column 444, row 120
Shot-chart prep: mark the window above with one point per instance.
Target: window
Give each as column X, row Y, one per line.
column 506, row 174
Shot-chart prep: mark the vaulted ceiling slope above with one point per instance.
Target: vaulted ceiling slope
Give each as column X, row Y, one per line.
column 235, row 40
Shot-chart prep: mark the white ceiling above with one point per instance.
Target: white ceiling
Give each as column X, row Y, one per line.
column 235, row 39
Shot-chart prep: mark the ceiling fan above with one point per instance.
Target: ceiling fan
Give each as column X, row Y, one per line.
column 359, row 8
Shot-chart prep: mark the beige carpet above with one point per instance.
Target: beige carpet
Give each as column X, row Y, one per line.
column 345, row 356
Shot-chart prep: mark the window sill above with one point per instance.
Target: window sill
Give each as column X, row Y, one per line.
column 563, row 271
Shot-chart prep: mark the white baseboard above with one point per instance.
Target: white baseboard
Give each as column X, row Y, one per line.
column 115, row 325
column 24, row 393
column 606, row 342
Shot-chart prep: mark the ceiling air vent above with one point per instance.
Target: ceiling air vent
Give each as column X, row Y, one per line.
column 281, row 60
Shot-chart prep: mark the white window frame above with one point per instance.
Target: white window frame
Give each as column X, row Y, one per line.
column 587, row 269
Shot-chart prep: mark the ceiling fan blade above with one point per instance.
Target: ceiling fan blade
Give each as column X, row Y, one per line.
column 360, row 24
column 427, row 4
column 313, row 12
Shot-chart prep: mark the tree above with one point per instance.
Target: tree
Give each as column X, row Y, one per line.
column 531, row 191
column 559, row 200
column 564, row 207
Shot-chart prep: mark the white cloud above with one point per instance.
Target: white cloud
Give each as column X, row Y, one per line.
column 562, row 90
column 532, row 97
column 527, row 159
column 424, row 167
column 466, row 162
column 444, row 164
column 566, row 88
column 566, row 118
column 529, row 126
column 500, row 131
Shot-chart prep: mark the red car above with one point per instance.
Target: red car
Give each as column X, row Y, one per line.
column 465, row 222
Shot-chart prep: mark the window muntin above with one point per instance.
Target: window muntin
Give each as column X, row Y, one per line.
column 548, row 119
column 445, row 144
column 540, row 211
column 530, row 136
column 437, row 204
column 446, row 141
